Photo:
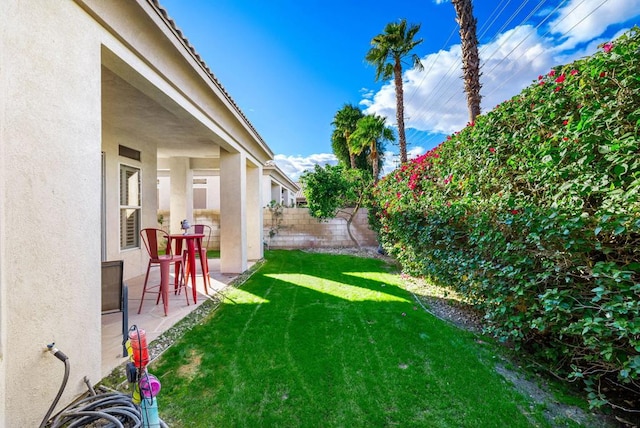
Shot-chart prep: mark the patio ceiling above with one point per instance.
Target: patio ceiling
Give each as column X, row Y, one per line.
column 126, row 110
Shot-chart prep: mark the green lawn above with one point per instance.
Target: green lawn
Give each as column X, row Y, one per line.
column 318, row 340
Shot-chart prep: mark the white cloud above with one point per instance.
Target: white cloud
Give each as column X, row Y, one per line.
column 434, row 98
column 294, row 166
column 367, row 93
column 581, row 21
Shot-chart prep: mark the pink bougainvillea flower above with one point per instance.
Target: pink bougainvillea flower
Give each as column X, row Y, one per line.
column 492, row 149
column 573, row 72
column 413, row 181
column 514, row 212
column 448, row 137
column 552, row 73
column 540, row 77
column 566, row 122
column 558, row 88
column 604, row 73
column 607, row 47
column 541, row 82
column 560, row 78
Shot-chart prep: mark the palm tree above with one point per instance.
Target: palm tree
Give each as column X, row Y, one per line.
column 470, row 57
column 370, row 132
column 344, row 123
column 388, row 51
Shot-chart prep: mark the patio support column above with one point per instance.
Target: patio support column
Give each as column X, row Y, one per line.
column 254, row 213
column 181, row 202
column 233, row 214
column 276, row 192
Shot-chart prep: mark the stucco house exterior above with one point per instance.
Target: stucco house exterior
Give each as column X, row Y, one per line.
column 205, row 192
column 96, row 97
column 278, row 186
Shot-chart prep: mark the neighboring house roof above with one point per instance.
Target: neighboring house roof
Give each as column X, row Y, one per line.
column 273, row 170
column 300, row 197
column 171, row 23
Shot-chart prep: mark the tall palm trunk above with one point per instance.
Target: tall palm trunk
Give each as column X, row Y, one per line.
column 402, row 141
column 374, row 160
column 387, row 52
column 352, row 156
column 470, row 57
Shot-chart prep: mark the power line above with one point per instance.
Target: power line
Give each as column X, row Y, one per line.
column 456, row 66
column 434, row 61
column 484, row 31
column 538, row 6
column 530, row 33
column 428, row 116
column 563, row 34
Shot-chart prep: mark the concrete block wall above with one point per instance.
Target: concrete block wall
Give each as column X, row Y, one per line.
column 299, row 230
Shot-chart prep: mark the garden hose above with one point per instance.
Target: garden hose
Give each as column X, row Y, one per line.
column 116, row 408
column 62, row 357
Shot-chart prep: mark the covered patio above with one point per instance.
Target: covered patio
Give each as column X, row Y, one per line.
column 151, row 317
column 96, row 99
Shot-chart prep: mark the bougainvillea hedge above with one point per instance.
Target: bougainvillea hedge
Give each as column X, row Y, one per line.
column 533, row 212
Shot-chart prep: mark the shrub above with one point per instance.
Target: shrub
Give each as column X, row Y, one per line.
column 533, row 213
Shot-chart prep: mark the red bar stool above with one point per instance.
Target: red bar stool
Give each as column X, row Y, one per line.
column 152, row 239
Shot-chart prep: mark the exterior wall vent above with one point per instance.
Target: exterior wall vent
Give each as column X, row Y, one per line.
column 128, row 152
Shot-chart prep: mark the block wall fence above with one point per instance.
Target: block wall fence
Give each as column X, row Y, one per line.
column 296, row 231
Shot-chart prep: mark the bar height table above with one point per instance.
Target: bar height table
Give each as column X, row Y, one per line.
column 193, row 241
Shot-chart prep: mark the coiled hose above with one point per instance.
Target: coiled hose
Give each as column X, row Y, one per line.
column 116, row 409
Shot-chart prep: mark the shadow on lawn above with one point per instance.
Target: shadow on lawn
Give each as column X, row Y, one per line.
column 330, row 340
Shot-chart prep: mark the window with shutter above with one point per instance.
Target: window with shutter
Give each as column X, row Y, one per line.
column 130, row 207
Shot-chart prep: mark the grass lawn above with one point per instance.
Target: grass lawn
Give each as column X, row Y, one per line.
column 320, row 340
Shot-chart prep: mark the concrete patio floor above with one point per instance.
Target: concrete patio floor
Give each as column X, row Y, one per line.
column 152, row 318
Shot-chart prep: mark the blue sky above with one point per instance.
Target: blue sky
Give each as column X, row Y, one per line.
column 290, row 65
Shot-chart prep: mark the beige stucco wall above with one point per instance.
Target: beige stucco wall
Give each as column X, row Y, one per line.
column 50, row 141
column 72, row 75
column 135, row 260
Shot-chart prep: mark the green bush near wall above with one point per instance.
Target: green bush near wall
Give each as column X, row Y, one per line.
column 533, row 212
